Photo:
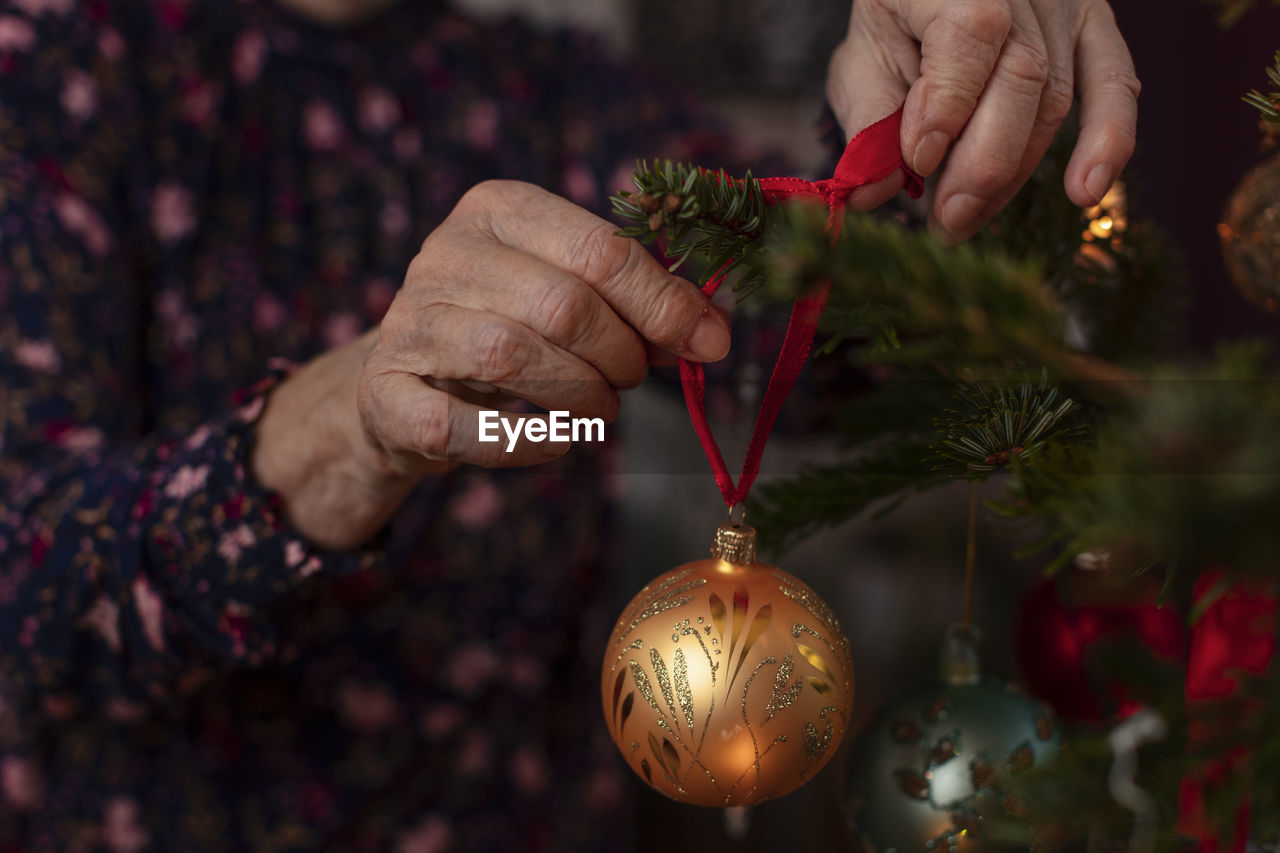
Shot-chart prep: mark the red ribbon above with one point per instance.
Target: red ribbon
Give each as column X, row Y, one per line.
column 871, row 156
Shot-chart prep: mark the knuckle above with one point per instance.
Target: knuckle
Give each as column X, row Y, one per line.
column 1121, row 81
column 368, row 406
column 381, row 417
column 394, row 326
column 598, row 255
column 501, row 353
column 563, row 314
column 484, row 199
column 991, row 176
column 669, row 320
column 1026, row 65
column 986, row 20
column 951, row 104
column 431, row 428
column 482, row 193
column 1056, row 99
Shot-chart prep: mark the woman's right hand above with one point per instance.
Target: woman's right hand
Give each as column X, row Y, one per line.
column 517, row 294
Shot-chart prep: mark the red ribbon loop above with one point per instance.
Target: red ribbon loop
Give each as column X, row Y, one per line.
column 871, row 156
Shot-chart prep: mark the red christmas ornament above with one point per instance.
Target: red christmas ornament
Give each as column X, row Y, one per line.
column 1061, row 623
column 1235, row 637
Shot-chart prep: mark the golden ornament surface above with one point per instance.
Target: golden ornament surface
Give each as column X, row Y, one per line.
column 1250, row 232
column 727, row 681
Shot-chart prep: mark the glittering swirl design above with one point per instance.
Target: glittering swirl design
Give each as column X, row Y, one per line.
column 783, row 694
column 791, row 588
column 685, row 696
column 667, row 594
column 815, row 745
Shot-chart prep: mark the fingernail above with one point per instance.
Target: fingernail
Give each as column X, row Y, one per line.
column 929, row 151
column 959, row 212
column 710, row 338
column 1098, row 182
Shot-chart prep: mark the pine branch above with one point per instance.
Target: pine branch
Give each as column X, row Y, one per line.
column 994, row 425
column 701, row 214
column 944, row 304
column 788, row 511
column 1269, row 103
column 1188, row 474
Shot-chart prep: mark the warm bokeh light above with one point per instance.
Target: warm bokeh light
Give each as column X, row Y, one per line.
column 1107, row 218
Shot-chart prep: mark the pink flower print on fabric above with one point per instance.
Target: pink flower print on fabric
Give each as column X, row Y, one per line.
column 80, row 219
column 150, row 613
column 234, row 542
column 528, row 770
column 433, row 835
column 579, row 184
column 15, row 35
column 38, row 356
column 478, row 506
column 394, row 219
column 367, row 707
column 476, row 754
column 322, row 127
column 186, row 481
column 248, row 55
column 21, row 786
column 121, row 832
column 103, row 618
column 482, row 125
column 471, row 667
column 79, row 95
column 36, row 8
column 341, row 328
column 172, row 213
column 82, row 439
column 379, row 110
column 111, row 44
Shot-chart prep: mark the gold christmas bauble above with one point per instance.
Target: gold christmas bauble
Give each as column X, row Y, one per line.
column 727, row 681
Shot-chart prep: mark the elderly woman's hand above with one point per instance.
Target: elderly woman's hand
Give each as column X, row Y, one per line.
column 991, row 80
column 519, row 293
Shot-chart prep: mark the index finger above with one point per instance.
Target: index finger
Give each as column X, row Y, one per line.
column 666, row 310
column 1108, row 89
column 960, row 42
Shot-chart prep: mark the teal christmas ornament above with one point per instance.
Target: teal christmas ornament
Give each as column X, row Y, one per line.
column 933, row 775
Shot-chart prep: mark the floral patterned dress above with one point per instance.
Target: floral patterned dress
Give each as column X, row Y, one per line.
column 190, row 189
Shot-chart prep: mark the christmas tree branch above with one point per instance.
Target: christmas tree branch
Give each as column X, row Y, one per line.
column 703, row 214
column 1268, row 104
column 960, row 306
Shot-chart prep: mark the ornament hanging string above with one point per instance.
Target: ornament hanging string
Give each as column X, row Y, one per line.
column 871, row 156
